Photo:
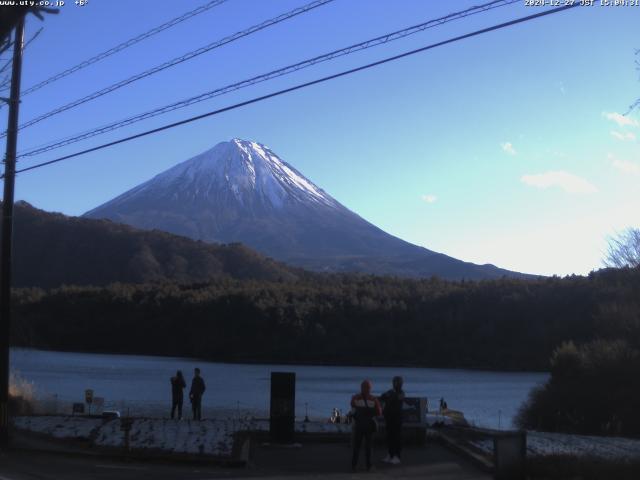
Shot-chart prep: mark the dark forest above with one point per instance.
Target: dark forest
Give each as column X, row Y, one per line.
column 506, row 324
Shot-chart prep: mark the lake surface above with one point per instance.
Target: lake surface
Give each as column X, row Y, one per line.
column 140, row 384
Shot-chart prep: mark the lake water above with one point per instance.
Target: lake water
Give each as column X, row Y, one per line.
column 140, row 384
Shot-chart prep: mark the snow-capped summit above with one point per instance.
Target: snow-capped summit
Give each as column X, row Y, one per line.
column 248, row 172
column 241, row 191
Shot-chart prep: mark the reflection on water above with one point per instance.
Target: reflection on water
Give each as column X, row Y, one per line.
column 141, row 384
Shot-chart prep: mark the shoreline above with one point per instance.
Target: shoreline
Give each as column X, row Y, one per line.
column 284, row 363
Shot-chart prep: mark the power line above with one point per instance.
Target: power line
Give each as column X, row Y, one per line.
column 26, row 44
column 124, row 45
column 4, row 83
column 177, row 60
column 33, row 37
column 268, row 76
column 303, row 85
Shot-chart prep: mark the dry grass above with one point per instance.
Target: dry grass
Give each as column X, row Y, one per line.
column 19, row 387
column 22, row 394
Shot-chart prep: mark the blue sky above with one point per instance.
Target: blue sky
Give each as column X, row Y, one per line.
column 507, row 148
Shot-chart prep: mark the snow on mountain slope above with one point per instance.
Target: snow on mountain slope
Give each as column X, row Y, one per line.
column 241, row 191
column 246, row 169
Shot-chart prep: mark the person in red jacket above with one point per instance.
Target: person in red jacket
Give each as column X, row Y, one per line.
column 364, row 407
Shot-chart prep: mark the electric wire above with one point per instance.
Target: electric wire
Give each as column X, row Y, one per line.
column 122, row 46
column 175, row 61
column 33, row 37
column 267, row 76
column 5, row 82
column 303, row 85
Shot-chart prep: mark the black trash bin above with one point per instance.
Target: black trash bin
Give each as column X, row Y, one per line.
column 283, row 407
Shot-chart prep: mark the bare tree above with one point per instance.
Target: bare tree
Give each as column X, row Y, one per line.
column 624, row 249
column 635, row 104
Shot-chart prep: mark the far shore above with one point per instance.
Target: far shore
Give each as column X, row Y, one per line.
column 256, row 361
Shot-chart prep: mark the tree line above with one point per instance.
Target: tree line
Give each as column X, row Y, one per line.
column 505, row 324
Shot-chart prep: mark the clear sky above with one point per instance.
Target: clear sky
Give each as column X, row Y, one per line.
column 507, row 148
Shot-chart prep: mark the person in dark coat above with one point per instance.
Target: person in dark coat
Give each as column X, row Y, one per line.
column 177, row 394
column 393, row 401
column 195, row 394
column 364, row 407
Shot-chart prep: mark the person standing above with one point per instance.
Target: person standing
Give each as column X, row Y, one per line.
column 365, row 407
column 177, row 394
column 195, row 394
column 393, row 401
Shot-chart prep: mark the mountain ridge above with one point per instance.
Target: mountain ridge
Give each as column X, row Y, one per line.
column 241, row 191
column 52, row 249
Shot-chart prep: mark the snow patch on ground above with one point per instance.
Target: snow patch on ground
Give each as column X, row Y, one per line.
column 59, row 426
column 207, row 437
column 541, row 444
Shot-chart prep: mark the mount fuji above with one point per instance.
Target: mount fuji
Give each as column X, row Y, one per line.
column 241, row 191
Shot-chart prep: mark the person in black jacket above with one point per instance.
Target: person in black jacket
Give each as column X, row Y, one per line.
column 393, row 401
column 195, row 394
column 177, row 395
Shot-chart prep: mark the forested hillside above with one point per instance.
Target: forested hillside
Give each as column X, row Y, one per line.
column 497, row 324
column 51, row 249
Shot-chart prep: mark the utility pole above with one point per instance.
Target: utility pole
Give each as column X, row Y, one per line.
column 7, row 231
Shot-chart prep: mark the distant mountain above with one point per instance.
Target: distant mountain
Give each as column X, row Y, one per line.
column 51, row 249
column 240, row 191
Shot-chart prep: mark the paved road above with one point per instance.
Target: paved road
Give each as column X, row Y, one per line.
column 331, row 459
column 309, row 461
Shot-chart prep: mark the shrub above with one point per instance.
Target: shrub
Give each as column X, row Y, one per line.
column 593, row 389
